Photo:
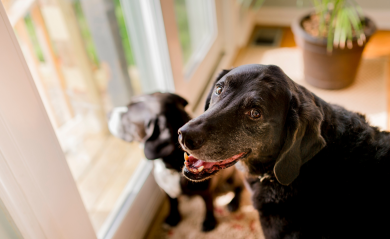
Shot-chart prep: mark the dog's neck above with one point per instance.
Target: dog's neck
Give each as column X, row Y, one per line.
column 252, row 165
column 175, row 160
column 339, row 123
column 339, row 127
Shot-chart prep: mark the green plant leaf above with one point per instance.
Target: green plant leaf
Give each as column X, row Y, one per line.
column 341, row 19
column 257, row 5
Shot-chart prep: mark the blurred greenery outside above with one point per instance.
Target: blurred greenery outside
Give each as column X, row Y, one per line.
column 33, row 37
column 88, row 40
column 181, row 21
column 85, row 33
column 183, row 29
column 123, row 31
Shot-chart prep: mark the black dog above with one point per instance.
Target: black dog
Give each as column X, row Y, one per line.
column 318, row 170
column 154, row 120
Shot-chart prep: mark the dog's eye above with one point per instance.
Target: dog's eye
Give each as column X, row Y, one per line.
column 255, row 114
column 218, row 91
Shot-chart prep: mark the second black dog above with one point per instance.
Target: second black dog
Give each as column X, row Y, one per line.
column 154, row 120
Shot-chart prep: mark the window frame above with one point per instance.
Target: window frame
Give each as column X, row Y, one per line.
column 36, row 185
column 192, row 84
column 34, row 178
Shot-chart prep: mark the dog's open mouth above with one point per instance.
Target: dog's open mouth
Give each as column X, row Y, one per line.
column 197, row 170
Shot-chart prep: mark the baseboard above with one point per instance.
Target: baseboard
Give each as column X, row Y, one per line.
column 284, row 16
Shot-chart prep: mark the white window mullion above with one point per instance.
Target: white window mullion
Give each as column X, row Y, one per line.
column 147, row 35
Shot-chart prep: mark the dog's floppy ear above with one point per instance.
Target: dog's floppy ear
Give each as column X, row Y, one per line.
column 179, row 100
column 303, row 138
column 158, row 139
column 221, row 74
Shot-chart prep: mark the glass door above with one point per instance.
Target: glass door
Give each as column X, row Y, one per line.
column 88, row 56
column 82, row 61
column 194, row 36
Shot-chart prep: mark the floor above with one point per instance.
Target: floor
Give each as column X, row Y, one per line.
column 370, row 94
column 242, row 224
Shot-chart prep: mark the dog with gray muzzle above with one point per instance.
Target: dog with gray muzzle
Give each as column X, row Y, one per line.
column 154, row 120
column 316, row 170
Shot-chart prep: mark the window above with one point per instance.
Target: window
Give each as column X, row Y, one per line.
column 81, row 58
column 197, row 28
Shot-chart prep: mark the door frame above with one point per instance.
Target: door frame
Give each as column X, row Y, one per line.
column 36, row 185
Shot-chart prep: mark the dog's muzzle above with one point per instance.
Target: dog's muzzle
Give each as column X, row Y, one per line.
column 114, row 123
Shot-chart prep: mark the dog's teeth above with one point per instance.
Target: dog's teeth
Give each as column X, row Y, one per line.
column 200, row 169
column 185, row 156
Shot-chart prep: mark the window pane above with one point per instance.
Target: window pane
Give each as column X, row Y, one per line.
column 184, row 29
column 196, row 24
column 82, row 63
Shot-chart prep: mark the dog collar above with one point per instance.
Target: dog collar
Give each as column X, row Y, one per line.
column 265, row 176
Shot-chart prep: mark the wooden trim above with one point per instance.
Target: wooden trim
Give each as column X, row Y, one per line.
column 20, row 28
column 18, row 9
column 36, row 185
column 388, row 93
column 235, row 31
column 193, row 87
column 6, row 4
column 168, row 13
column 50, row 56
column 81, row 58
column 225, row 63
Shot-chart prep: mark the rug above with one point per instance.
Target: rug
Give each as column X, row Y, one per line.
column 242, row 224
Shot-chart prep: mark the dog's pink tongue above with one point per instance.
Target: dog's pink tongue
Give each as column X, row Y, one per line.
column 196, row 165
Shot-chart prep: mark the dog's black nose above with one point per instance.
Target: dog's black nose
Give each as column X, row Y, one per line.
column 190, row 138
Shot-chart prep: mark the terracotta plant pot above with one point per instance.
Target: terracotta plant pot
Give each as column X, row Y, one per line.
column 325, row 70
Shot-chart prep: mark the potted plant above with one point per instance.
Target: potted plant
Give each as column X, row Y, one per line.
column 332, row 39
